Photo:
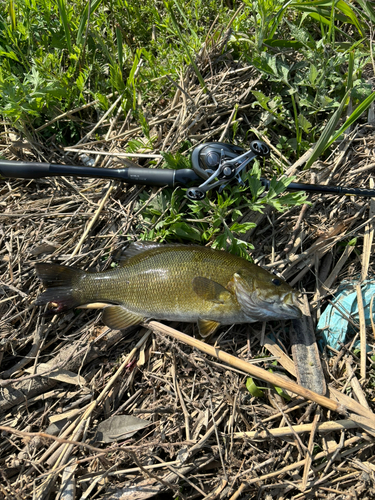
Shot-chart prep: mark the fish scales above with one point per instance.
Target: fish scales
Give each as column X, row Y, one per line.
column 160, row 281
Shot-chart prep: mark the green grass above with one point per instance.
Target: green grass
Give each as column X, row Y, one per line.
column 60, row 53
column 56, row 55
column 69, row 53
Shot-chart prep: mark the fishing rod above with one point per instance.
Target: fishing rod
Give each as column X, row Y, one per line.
column 217, row 164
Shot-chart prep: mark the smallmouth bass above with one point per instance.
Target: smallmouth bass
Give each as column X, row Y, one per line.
column 172, row 282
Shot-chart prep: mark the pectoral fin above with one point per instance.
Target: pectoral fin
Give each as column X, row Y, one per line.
column 208, row 289
column 207, row 327
column 117, row 317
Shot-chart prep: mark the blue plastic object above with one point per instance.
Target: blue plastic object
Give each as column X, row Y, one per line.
column 335, row 324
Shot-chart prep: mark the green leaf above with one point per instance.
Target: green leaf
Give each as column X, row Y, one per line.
column 279, row 186
column 361, row 90
column 284, row 44
column 168, row 5
column 64, row 20
column 253, row 180
column 360, row 109
column 313, row 74
column 350, row 14
column 144, row 124
column 279, row 390
column 304, row 124
column 120, row 52
column 293, row 199
column 368, row 9
column 282, row 393
column 253, row 388
column 220, row 242
column 175, row 161
column 12, row 15
column 89, row 8
column 184, row 230
column 352, row 242
column 10, row 54
column 324, row 139
column 242, row 228
column 349, row 83
column 261, row 99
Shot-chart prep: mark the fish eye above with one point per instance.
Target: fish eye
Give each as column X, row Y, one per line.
column 276, row 281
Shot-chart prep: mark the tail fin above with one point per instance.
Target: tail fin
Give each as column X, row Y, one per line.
column 62, row 284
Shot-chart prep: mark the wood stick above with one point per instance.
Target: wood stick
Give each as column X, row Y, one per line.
column 310, row 448
column 227, row 124
column 182, row 402
column 262, row 374
column 362, row 330
column 305, row 352
column 368, row 237
column 334, row 273
column 332, row 393
column 356, row 386
column 337, row 425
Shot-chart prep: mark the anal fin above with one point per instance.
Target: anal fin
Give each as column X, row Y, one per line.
column 207, row 327
column 117, row 317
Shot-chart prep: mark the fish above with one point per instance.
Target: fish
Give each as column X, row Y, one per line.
column 175, row 282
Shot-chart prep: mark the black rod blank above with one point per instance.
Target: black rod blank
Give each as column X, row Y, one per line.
column 147, row 176
column 319, row 188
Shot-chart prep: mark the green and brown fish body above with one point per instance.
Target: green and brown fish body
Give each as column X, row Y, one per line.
column 173, row 282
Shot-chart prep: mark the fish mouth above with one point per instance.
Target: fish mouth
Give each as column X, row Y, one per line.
column 293, row 311
column 275, row 310
column 290, row 305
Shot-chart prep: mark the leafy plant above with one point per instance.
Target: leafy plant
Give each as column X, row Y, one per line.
column 89, row 51
column 330, row 134
column 307, row 85
column 216, row 220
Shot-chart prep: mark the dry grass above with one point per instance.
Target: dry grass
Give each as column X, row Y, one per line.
column 206, row 436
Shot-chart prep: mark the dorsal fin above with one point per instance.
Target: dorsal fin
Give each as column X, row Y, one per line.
column 134, row 248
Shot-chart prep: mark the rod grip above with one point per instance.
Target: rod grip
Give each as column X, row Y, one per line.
column 160, row 177
column 149, row 176
column 132, row 175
